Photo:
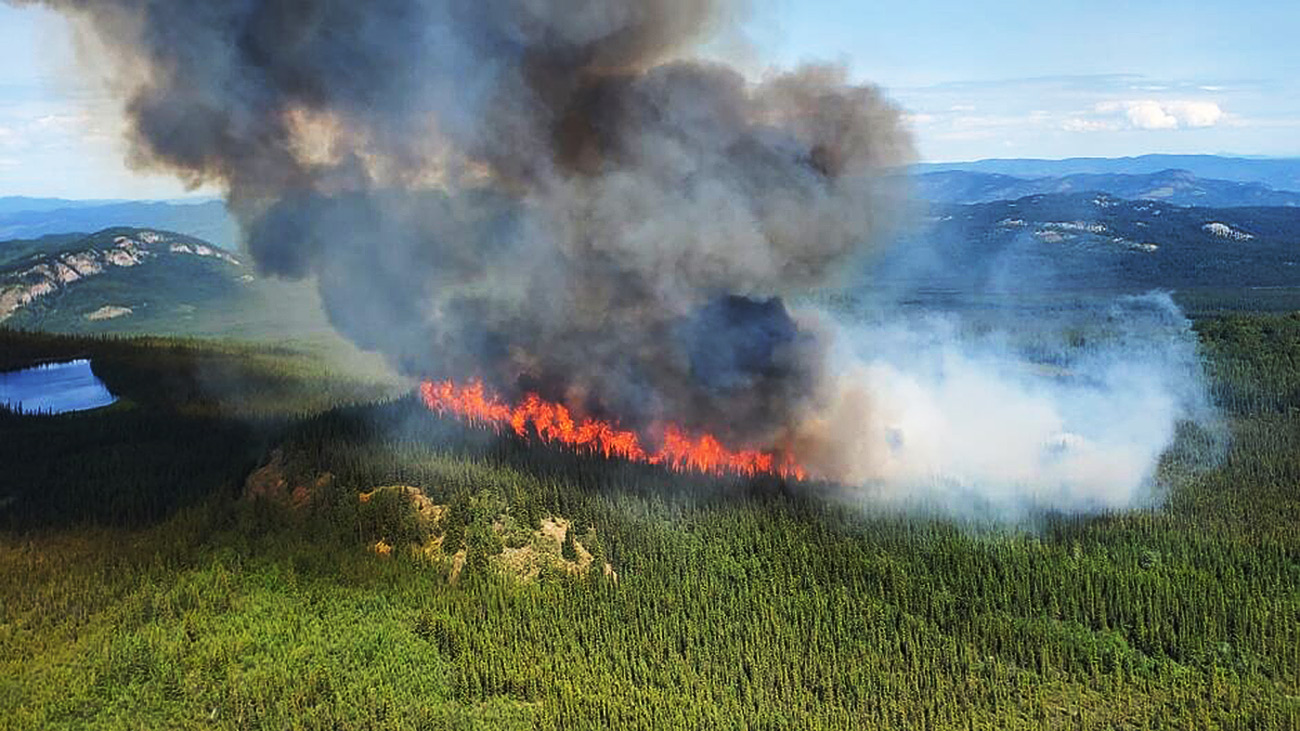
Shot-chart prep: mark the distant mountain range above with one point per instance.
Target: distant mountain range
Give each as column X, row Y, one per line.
column 985, row 232
column 30, row 218
column 1277, row 173
column 1091, row 241
column 1178, row 187
column 20, row 204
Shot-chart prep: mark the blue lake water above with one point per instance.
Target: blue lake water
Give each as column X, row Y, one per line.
column 56, row 388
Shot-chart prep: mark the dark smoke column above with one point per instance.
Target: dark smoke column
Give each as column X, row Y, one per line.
column 529, row 192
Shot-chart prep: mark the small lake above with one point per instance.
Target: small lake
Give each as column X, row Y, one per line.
column 55, row 388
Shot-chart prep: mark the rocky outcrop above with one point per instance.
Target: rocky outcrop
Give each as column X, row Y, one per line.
column 109, row 312
column 30, row 281
column 1224, row 231
column 272, row 482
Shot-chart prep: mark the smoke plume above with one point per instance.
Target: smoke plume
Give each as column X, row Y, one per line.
column 544, row 194
column 1070, row 411
column 528, row 192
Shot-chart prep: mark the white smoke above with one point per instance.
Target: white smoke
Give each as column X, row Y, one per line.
column 922, row 413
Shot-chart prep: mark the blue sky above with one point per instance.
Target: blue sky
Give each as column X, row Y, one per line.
column 998, row 78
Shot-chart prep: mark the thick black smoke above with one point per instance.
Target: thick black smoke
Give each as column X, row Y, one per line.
column 536, row 192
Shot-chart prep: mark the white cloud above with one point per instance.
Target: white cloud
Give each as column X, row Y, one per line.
column 1197, row 114
column 1079, row 124
column 62, row 121
column 1148, row 114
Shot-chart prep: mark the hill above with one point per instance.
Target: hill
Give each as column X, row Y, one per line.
column 1178, row 187
column 1279, row 173
column 146, row 277
column 1096, row 242
column 149, row 281
column 18, row 249
column 27, row 218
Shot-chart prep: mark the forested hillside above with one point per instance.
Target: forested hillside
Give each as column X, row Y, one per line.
column 143, row 585
column 1176, row 187
column 1094, row 242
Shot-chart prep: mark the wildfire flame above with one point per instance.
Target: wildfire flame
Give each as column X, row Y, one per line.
column 552, row 422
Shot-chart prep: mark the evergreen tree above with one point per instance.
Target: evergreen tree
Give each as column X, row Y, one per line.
column 453, row 524
column 568, row 549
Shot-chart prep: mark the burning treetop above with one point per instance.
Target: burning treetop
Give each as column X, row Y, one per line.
column 552, row 422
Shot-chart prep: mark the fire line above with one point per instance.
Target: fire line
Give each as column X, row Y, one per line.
column 552, row 422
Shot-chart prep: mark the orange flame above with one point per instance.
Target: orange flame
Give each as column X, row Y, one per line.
column 552, row 422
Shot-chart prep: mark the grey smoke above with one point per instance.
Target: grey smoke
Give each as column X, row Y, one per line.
column 546, row 194
column 532, row 192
